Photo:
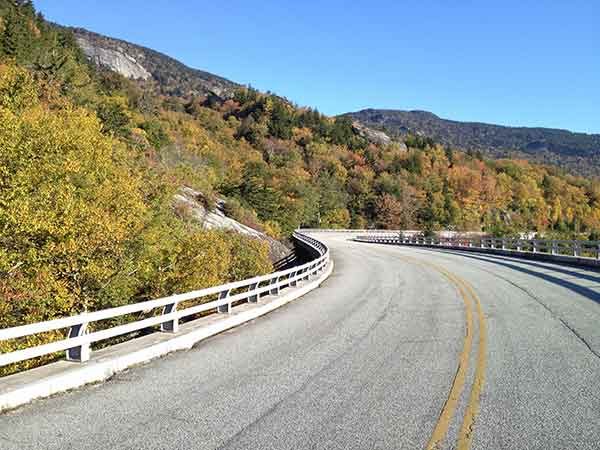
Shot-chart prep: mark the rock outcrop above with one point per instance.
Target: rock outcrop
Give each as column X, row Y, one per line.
column 169, row 76
column 190, row 199
column 116, row 60
column 371, row 135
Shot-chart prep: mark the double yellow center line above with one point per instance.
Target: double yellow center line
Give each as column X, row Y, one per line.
column 473, row 311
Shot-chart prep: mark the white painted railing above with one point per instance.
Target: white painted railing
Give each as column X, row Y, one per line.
column 78, row 340
column 572, row 248
column 349, row 230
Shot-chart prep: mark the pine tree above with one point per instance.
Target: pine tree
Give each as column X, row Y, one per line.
column 9, row 40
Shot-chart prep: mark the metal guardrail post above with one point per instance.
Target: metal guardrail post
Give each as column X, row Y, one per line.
column 304, row 276
column 293, row 281
column 171, row 326
column 275, row 289
column 576, row 249
column 309, row 271
column 80, row 353
column 253, row 298
column 226, row 308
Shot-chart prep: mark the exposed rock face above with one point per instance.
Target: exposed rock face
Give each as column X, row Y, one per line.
column 116, row 60
column 371, row 135
column 189, row 198
column 169, row 76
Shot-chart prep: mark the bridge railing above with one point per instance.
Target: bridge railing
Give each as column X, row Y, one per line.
column 349, row 230
column 79, row 337
column 589, row 249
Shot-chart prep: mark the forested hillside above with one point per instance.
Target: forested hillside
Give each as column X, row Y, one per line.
column 90, row 162
column 576, row 152
column 89, row 165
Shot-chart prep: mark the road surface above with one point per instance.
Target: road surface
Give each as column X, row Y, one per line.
column 399, row 348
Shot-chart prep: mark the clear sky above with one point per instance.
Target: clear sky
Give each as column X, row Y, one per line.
column 516, row 62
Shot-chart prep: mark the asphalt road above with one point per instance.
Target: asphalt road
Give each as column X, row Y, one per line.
column 400, row 348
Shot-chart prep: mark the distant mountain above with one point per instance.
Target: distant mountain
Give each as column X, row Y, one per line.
column 577, row 152
column 141, row 63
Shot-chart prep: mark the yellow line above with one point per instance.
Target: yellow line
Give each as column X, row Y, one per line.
column 449, row 408
column 465, row 436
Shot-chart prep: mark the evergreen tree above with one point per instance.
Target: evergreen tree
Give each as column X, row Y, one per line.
column 11, row 34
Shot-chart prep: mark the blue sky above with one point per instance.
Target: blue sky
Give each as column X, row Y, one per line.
column 526, row 63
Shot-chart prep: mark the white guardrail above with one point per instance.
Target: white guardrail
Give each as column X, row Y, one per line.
column 78, row 340
column 577, row 249
column 357, row 230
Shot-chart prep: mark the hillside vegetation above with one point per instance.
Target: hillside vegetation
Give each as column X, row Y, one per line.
column 90, row 161
column 577, row 152
column 85, row 197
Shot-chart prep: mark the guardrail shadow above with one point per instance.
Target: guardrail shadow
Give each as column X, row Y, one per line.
column 502, row 261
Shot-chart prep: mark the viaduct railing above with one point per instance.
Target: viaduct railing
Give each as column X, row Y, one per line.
column 357, row 230
column 561, row 250
column 167, row 315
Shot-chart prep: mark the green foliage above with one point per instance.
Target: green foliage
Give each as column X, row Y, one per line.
column 18, row 26
column 417, row 141
column 114, row 117
column 257, row 191
column 282, row 120
column 155, row 133
column 248, row 256
column 342, row 133
column 234, row 209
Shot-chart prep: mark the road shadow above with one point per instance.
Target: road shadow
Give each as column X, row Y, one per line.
column 503, row 261
column 553, row 266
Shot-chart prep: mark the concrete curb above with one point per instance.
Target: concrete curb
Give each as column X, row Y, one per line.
column 21, row 388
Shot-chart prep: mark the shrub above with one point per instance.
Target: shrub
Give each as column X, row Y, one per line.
column 155, row 133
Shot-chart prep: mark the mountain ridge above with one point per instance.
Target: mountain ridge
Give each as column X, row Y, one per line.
column 433, row 115
column 171, row 76
column 575, row 151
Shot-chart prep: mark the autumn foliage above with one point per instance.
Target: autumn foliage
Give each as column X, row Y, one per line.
column 89, row 163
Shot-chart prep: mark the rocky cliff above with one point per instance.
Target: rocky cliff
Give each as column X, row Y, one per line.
column 136, row 62
column 116, row 59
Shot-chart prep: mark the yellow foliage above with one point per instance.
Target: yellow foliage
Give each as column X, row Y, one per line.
column 17, row 88
column 337, row 218
column 273, row 229
column 83, row 227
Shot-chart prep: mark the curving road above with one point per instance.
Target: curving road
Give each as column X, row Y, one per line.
column 399, row 348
